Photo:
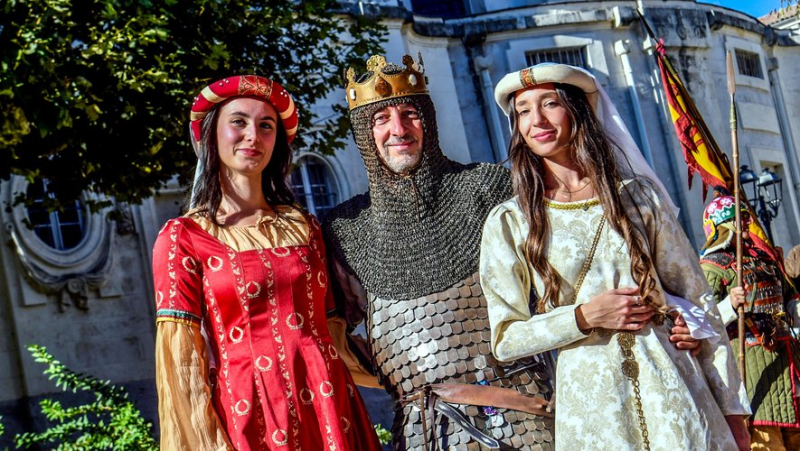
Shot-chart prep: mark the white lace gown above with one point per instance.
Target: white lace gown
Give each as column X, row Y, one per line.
column 684, row 398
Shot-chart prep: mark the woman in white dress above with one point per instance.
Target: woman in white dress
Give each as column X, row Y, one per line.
column 593, row 277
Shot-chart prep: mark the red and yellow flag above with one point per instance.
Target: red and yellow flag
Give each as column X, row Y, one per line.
column 701, row 152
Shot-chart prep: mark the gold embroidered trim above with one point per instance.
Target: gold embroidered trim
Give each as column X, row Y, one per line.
column 573, row 205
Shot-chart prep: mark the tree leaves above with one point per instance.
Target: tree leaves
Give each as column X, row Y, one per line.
column 100, row 102
column 110, row 422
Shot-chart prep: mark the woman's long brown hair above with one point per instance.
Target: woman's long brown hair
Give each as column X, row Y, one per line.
column 591, row 150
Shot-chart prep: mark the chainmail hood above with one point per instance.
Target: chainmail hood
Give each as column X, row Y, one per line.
column 417, row 234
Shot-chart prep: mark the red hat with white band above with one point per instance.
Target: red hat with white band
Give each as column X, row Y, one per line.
column 244, row 86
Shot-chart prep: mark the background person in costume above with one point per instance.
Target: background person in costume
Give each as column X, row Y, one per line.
column 246, row 270
column 406, row 257
column 605, row 255
column 770, row 304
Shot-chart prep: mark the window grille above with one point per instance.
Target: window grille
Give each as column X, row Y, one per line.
column 574, row 56
column 313, row 185
column 61, row 230
column 749, row 63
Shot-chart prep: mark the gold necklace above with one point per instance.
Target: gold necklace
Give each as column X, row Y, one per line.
column 588, row 182
column 565, row 192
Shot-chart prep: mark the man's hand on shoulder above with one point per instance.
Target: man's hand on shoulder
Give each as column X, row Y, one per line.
column 681, row 337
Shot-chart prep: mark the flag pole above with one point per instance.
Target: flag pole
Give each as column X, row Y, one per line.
column 736, row 195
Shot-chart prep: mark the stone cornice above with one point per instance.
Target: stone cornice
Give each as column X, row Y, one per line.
column 526, row 17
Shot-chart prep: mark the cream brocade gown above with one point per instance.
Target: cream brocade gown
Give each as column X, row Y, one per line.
column 684, row 399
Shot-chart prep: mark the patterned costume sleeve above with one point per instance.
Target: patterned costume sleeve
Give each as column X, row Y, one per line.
column 177, row 276
column 679, row 272
column 716, row 280
column 506, row 283
column 187, row 418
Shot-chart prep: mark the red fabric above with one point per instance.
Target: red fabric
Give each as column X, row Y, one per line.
column 280, row 382
column 243, row 86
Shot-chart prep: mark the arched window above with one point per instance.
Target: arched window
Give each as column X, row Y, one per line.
column 314, row 185
column 61, row 230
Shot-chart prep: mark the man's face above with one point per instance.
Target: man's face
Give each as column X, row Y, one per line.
column 397, row 131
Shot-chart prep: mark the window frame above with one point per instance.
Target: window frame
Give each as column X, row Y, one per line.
column 55, row 221
column 331, row 184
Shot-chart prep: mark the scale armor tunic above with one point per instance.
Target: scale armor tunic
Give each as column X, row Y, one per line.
column 406, row 259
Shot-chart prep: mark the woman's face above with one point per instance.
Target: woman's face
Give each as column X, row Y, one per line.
column 246, row 131
column 543, row 121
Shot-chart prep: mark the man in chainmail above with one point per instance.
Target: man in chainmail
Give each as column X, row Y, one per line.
column 406, row 259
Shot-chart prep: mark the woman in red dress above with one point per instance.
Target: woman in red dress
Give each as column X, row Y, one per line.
column 244, row 358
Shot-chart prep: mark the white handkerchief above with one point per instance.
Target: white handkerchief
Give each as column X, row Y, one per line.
column 696, row 319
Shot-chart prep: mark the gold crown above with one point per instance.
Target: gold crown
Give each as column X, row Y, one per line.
column 381, row 86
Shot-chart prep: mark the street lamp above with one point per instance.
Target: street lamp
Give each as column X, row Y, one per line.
column 764, row 193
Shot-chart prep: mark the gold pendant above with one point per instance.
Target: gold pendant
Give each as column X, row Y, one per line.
column 630, row 368
column 626, row 340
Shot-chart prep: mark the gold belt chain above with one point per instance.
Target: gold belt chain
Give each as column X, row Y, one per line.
column 630, row 368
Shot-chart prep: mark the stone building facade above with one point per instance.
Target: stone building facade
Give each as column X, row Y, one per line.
column 81, row 285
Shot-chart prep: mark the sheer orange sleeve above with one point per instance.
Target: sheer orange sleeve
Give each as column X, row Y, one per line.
column 187, row 416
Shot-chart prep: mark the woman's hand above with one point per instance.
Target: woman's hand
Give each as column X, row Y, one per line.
column 739, row 431
column 618, row 309
column 737, row 297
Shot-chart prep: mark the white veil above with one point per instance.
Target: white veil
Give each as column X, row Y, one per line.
column 629, row 158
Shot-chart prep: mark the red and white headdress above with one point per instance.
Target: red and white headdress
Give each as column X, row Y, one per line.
column 244, row 86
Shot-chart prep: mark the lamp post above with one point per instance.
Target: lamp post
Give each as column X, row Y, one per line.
column 764, row 193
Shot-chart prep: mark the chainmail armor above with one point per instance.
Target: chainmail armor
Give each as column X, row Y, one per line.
column 417, row 234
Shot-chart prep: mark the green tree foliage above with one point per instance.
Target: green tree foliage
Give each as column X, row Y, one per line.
column 95, row 94
column 110, row 422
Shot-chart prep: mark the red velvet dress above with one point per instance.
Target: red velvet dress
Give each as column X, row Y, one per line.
column 280, row 383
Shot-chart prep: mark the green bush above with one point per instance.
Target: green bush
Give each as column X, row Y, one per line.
column 110, row 422
column 384, row 436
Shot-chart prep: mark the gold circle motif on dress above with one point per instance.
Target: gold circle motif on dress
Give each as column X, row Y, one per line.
column 261, row 366
column 297, row 323
column 189, row 264
column 215, row 263
column 280, row 251
column 326, row 389
column 306, row 396
column 345, row 424
column 333, row 351
column 253, row 294
column 276, row 437
column 236, row 334
column 242, row 407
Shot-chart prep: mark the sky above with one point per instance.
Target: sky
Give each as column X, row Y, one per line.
column 755, row 8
